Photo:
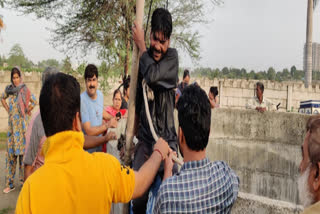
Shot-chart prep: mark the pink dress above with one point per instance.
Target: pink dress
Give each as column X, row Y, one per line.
column 113, row 113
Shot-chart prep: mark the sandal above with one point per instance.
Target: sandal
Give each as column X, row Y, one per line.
column 8, row 189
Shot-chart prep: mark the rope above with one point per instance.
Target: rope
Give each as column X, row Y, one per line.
column 154, row 135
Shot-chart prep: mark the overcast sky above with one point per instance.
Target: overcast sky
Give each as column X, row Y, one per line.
column 251, row 34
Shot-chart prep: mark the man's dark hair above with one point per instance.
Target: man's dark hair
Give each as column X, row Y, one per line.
column 186, row 73
column 261, row 86
column 59, row 103
column 90, row 71
column 214, row 91
column 161, row 22
column 14, row 71
column 194, row 114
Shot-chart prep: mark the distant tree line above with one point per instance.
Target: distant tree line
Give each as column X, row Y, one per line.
column 17, row 57
column 271, row 74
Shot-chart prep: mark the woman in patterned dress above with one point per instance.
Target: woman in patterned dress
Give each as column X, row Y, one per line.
column 20, row 105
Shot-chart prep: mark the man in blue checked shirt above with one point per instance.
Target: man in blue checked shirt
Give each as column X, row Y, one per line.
column 201, row 186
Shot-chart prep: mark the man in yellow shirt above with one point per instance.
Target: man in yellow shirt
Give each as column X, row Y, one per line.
column 72, row 180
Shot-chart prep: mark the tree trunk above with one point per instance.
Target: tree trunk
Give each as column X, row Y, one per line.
column 133, row 89
column 308, row 47
column 133, row 85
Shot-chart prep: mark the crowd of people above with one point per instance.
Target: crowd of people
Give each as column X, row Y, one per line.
column 64, row 165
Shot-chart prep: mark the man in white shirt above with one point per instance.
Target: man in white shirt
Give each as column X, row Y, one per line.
column 260, row 103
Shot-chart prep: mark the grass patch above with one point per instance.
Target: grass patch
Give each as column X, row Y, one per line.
column 6, row 210
column 3, row 136
column 3, row 140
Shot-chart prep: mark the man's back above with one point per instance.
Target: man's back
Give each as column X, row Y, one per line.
column 200, row 187
column 74, row 181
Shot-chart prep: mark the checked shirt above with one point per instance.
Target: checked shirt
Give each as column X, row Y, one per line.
column 200, row 187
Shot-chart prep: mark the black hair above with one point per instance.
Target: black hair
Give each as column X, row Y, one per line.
column 48, row 72
column 90, row 71
column 214, row 91
column 15, row 70
column 126, row 84
column 161, row 21
column 194, row 115
column 116, row 92
column 59, row 103
column 261, row 86
column 186, row 73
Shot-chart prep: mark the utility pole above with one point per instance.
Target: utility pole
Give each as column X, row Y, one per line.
column 308, row 50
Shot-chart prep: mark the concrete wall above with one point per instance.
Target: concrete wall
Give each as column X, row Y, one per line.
column 249, row 203
column 264, row 150
column 235, row 93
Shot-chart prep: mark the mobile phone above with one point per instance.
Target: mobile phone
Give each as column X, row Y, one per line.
column 118, row 116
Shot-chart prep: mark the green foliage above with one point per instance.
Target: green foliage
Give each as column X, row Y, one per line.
column 6, row 210
column 48, row 63
column 105, row 25
column 66, row 66
column 271, row 74
column 2, row 60
column 17, row 58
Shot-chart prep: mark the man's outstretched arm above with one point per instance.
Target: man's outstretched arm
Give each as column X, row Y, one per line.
column 146, row 174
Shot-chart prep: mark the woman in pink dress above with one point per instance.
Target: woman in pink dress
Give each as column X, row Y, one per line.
column 114, row 111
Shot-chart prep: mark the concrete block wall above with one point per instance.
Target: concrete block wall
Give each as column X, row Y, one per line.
column 264, row 149
column 235, row 93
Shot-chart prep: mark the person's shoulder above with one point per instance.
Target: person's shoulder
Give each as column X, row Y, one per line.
column 223, row 169
column 172, row 52
column 105, row 157
column 83, row 95
column 266, row 100
column 169, row 183
column 38, row 120
column 99, row 93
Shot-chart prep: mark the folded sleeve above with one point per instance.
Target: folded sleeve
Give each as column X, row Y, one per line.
column 122, row 180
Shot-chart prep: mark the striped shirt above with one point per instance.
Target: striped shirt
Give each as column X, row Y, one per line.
column 200, row 187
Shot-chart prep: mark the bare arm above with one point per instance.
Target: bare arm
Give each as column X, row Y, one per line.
column 107, row 116
column 32, row 104
column 28, row 169
column 94, row 141
column 94, row 130
column 168, row 165
column 138, row 37
column 212, row 103
column 146, row 174
column 250, row 104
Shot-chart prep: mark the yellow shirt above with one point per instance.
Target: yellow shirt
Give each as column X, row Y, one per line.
column 74, row 181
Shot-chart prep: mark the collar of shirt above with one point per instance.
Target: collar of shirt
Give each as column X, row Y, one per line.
column 257, row 99
column 191, row 165
column 58, row 148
